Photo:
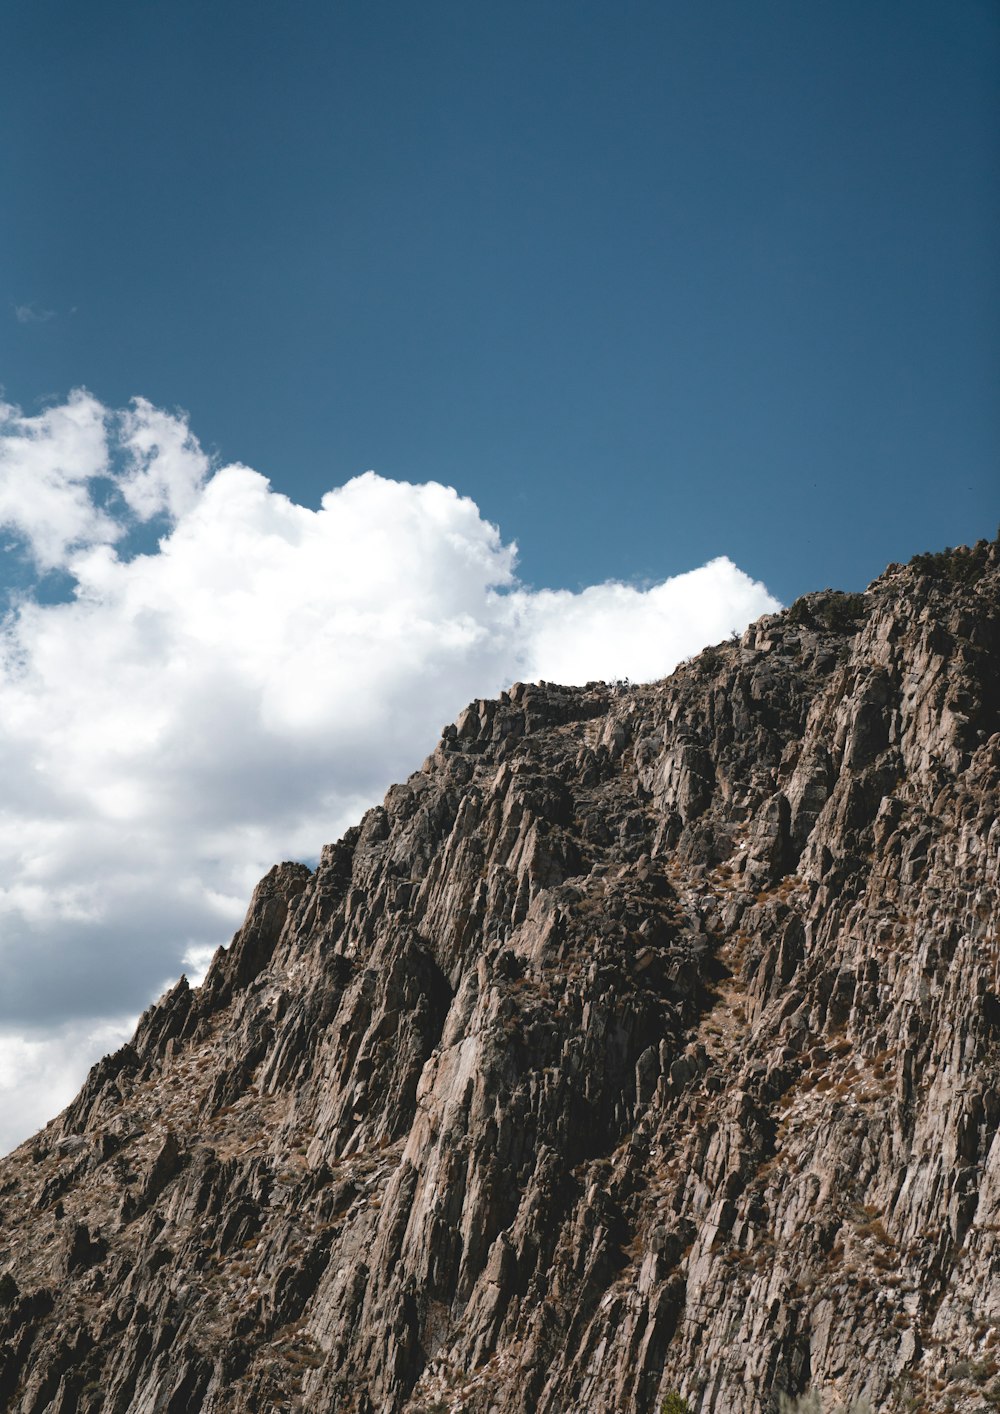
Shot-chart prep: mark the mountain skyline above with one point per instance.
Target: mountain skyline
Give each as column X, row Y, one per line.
column 356, row 363
column 198, row 677
column 638, row 1053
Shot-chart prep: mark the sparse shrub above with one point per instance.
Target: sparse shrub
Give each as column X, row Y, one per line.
column 963, row 565
column 831, row 610
column 674, row 1404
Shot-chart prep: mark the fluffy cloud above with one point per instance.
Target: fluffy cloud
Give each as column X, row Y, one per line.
column 237, row 694
column 47, row 467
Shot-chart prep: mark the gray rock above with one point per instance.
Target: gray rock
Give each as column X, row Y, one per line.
column 646, row 1040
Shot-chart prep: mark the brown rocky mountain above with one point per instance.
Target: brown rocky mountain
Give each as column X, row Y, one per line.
column 646, row 1040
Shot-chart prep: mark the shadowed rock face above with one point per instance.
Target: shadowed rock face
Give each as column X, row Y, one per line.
column 646, row 1039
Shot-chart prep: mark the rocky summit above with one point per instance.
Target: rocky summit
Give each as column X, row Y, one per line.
column 641, row 1051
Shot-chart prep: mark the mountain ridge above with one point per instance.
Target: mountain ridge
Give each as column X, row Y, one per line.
column 646, row 1040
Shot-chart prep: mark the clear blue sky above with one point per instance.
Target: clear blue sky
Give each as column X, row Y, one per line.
column 652, row 282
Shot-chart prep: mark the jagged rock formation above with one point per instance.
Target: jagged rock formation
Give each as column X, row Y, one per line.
column 647, row 1039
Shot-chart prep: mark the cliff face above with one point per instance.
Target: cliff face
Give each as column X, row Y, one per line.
column 647, row 1039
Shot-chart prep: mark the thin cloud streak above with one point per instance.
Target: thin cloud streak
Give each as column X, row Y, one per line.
column 29, row 314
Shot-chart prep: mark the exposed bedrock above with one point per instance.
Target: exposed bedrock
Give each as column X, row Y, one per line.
column 647, row 1039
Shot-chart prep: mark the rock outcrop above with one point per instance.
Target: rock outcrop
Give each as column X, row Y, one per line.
column 647, row 1039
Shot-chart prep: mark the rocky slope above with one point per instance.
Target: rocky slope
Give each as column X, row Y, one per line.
column 646, row 1040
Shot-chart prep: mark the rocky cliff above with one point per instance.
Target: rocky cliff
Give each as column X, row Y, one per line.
column 646, row 1040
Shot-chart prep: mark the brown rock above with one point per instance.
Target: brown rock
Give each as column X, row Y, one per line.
column 647, row 1039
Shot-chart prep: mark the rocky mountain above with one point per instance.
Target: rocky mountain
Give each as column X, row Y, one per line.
column 645, row 1042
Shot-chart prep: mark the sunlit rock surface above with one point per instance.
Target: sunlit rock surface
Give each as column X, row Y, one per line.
column 647, row 1039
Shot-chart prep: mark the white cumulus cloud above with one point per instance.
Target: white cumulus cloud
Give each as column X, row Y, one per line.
column 47, row 465
column 237, row 694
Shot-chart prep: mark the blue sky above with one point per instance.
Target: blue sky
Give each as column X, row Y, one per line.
column 650, row 282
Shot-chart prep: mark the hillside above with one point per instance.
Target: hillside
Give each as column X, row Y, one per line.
column 647, row 1039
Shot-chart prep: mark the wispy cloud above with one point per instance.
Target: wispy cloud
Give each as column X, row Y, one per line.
column 238, row 695
column 31, row 314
